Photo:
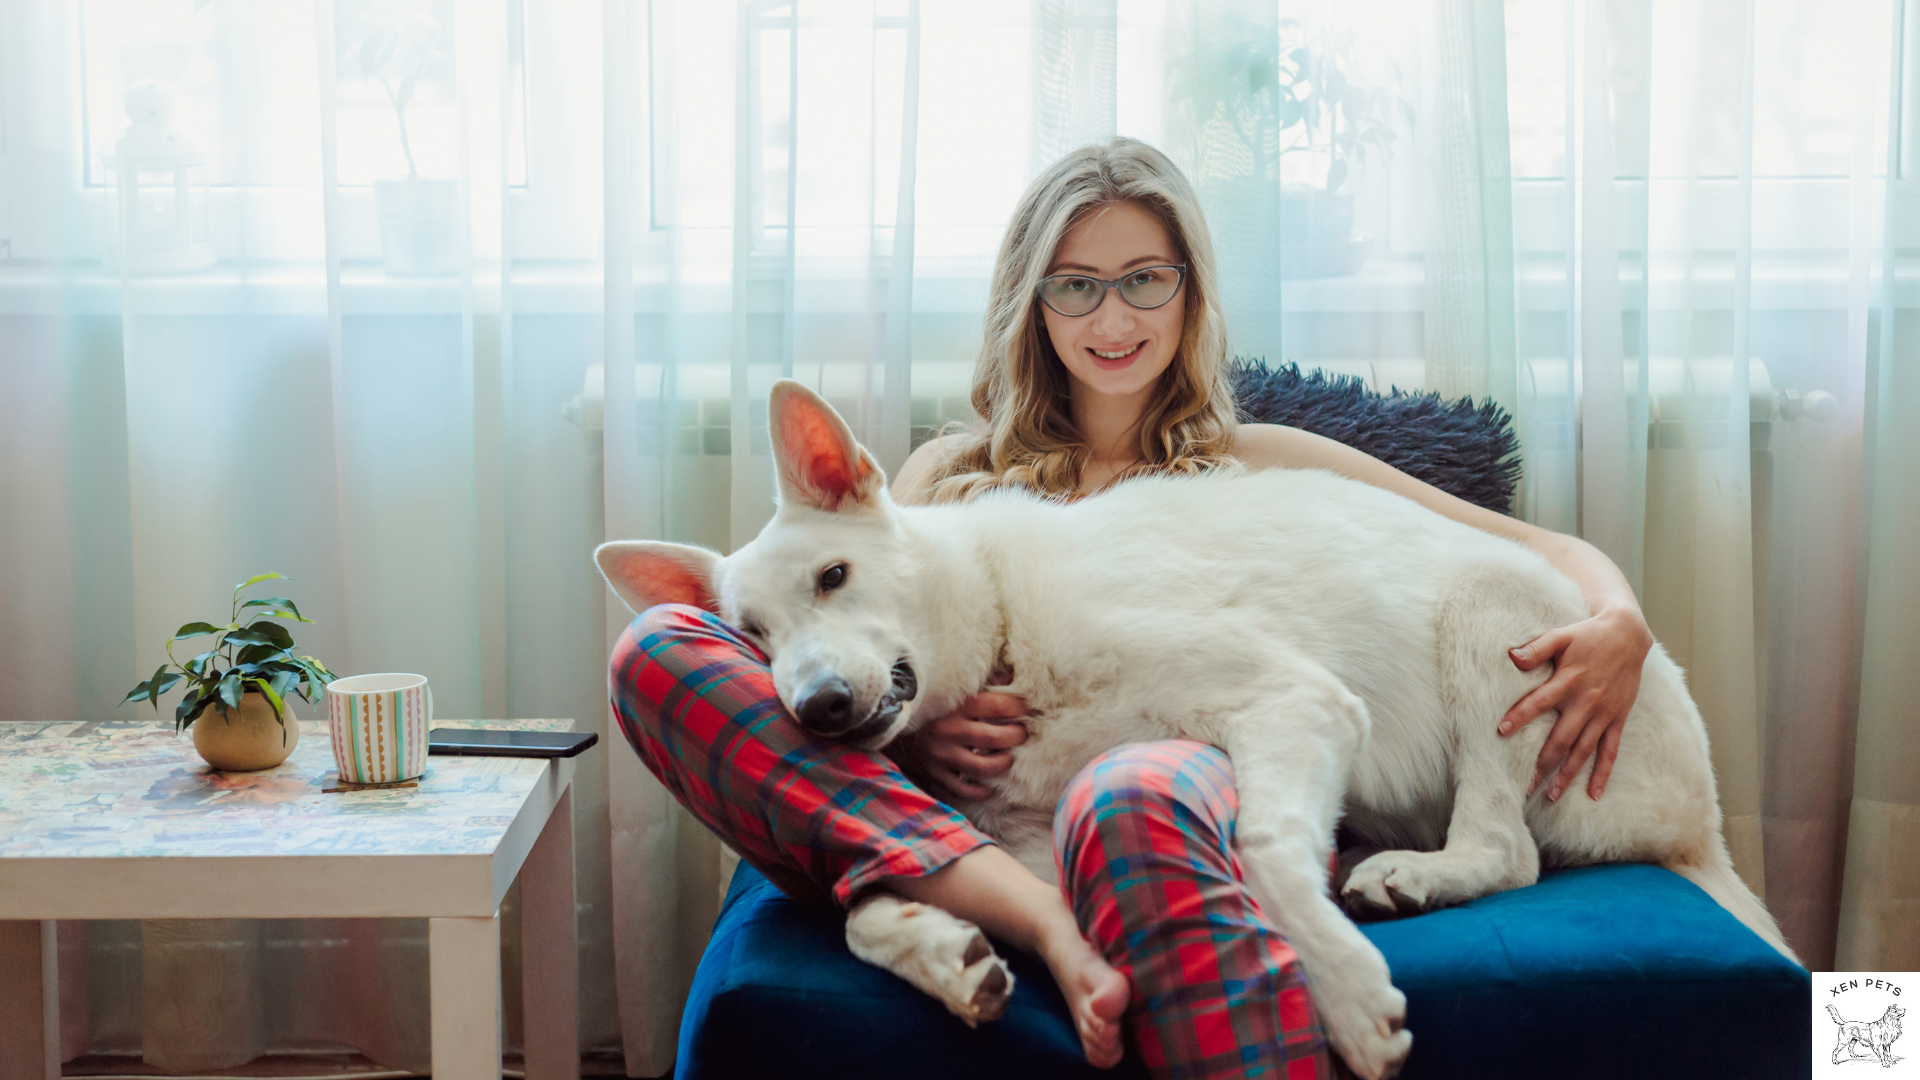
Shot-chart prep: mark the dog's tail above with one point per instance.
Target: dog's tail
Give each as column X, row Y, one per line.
column 1835, row 1013
column 1712, row 870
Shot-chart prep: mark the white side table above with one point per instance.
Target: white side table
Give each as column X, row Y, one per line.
column 120, row 820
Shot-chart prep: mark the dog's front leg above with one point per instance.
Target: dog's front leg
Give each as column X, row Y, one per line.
column 946, row 957
column 1291, row 754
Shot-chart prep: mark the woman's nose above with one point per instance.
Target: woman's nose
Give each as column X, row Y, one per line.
column 1113, row 316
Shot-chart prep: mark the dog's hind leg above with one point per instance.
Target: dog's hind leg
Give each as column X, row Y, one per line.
column 1482, row 612
column 1488, row 849
column 1291, row 751
column 946, row 957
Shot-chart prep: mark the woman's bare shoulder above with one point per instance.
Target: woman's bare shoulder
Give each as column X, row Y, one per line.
column 916, row 474
column 1277, row 446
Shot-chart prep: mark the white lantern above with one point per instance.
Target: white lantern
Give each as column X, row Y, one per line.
column 160, row 183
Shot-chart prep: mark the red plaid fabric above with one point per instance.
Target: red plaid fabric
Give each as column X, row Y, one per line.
column 697, row 702
column 1144, row 842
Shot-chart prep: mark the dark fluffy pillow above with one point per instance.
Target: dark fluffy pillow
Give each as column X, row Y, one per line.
column 1464, row 449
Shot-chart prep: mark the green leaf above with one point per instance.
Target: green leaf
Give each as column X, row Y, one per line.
column 199, row 665
column 258, row 578
column 1336, row 175
column 198, row 708
column 273, row 698
column 143, row 691
column 283, row 608
column 258, row 654
column 284, row 681
column 230, row 690
column 189, row 708
column 165, row 684
column 194, row 630
column 262, row 634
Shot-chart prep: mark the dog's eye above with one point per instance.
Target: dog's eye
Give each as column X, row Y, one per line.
column 833, row 577
column 753, row 629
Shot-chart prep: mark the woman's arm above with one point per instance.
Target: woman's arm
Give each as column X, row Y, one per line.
column 1597, row 661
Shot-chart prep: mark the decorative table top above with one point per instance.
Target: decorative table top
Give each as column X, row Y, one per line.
column 119, row 789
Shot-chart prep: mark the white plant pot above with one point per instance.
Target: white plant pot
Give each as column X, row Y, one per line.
column 418, row 219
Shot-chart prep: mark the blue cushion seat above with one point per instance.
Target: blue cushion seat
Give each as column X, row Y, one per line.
column 1606, row 971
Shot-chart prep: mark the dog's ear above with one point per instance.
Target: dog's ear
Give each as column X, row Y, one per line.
column 646, row 572
column 815, row 458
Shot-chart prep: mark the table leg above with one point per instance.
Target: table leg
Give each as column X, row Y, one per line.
column 463, row 961
column 29, row 1000
column 549, row 951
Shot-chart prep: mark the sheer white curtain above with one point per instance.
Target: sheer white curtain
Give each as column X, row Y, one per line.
column 446, row 348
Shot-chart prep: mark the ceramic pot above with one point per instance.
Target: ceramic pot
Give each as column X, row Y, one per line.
column 246, row 739
column 418, row 220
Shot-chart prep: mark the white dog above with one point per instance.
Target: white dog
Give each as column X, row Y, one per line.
column 1335, row 639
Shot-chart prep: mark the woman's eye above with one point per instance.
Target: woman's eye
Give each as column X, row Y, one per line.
column 1144, row 277
column 833, row 577
column 1077, row 285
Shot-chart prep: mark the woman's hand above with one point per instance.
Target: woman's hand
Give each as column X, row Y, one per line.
column 960, row 751
column 1595, row 680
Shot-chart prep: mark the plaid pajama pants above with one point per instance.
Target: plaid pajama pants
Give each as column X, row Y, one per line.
column 1143, row 839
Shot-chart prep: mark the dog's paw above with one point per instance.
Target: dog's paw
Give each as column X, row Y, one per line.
column 1385, row 886
column 990, row 983
column 947, row 957
column 1367, row 1029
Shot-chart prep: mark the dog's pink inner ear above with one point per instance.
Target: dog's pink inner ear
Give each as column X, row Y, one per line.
column 819, row 462
column 666, row 580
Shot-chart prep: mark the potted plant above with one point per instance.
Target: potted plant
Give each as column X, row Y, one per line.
column 246, row 676
column 1331, row 121
column 1309, row 120
column 403, row 46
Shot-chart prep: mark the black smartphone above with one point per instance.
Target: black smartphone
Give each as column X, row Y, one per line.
column 481, row 743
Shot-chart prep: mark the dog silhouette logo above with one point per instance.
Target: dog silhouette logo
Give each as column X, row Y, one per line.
column 1861, row 1040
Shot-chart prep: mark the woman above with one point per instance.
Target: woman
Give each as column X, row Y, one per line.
column 1104, row 357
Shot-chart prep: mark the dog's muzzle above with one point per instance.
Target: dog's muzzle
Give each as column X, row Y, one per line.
column 826, row 708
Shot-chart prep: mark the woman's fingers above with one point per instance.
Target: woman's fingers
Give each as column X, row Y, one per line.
column 1603, row 765
column 1539, row 701
column 993, row 705
column 1539, row 650
column 974, row 763
column 968, row 734
column 1589, row 741
column 1560, row 741
column 959, row 785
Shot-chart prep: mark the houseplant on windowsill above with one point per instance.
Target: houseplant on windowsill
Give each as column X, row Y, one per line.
column 1336, row 111
column 403, row 46
column 246, row 677
column 1308, row 120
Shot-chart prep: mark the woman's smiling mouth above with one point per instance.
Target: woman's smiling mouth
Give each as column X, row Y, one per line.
column 1117, row 358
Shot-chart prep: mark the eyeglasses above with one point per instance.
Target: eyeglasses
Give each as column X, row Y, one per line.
column 1147, row 288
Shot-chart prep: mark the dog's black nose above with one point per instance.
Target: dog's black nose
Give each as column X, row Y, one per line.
column 904, row 684
column 826, row 707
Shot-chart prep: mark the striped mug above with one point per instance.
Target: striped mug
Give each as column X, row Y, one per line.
column 380, row 726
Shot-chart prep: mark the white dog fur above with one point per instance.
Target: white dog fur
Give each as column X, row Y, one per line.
column 1346, row 647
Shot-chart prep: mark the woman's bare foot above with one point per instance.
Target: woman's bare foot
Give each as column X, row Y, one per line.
column 1096, row 994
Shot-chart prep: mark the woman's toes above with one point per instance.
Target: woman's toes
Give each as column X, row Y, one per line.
column 1099, row 1014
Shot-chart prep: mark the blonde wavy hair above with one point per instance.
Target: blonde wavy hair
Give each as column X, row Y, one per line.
column 1021, row 387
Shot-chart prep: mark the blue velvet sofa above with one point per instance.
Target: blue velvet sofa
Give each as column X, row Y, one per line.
column 1627, row 972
